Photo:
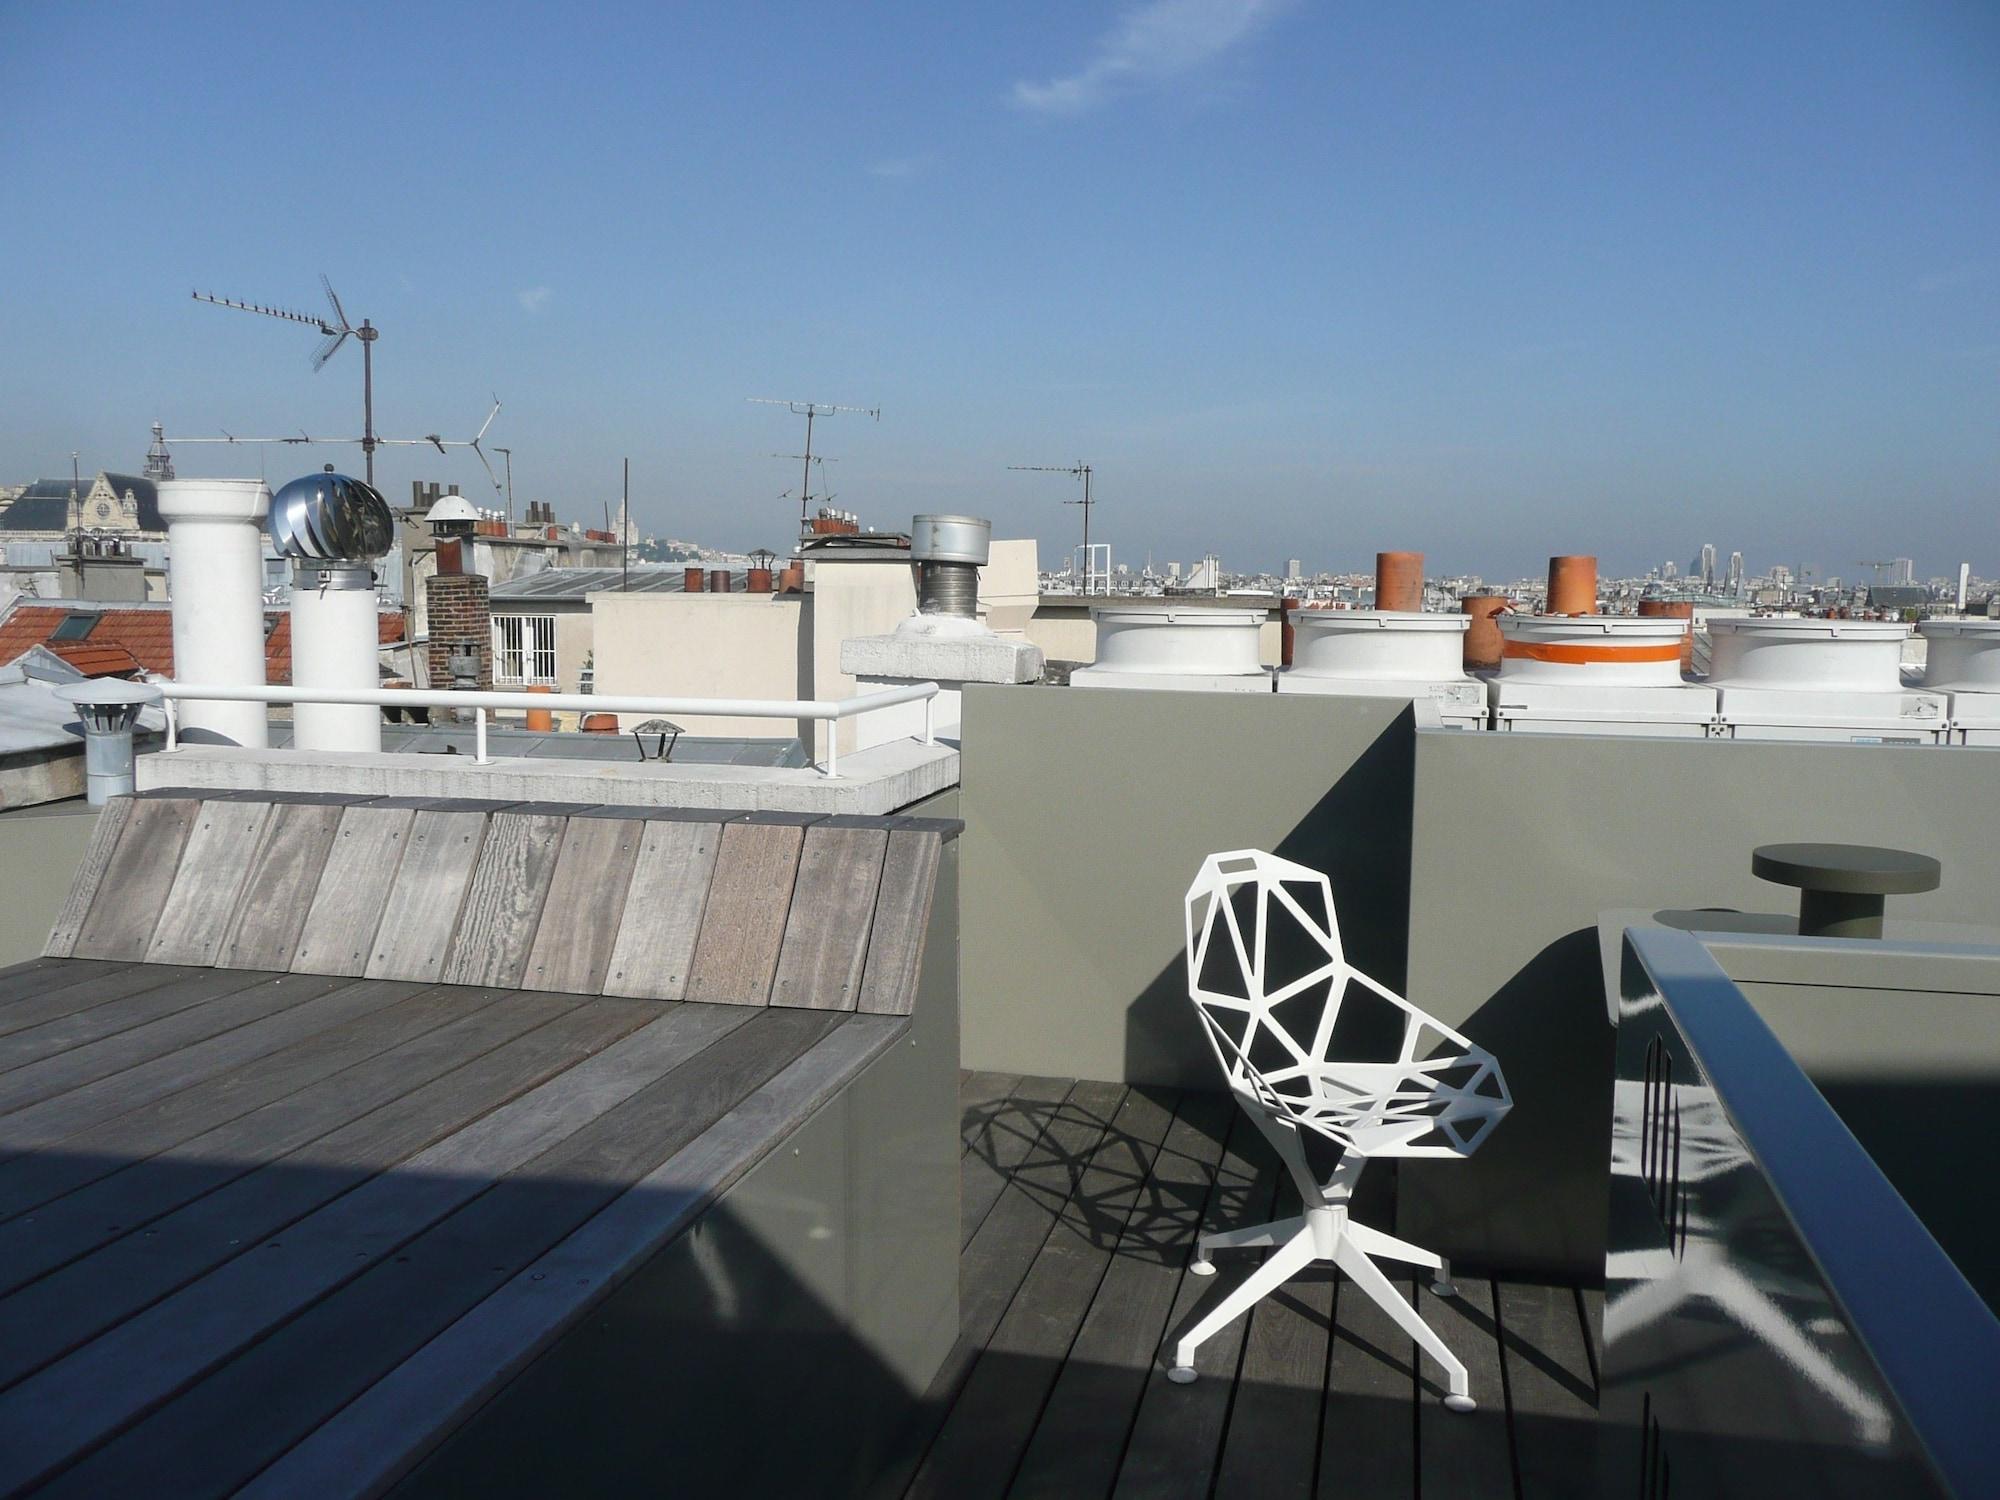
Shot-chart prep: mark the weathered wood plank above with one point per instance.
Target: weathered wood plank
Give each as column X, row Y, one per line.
column 229, row 999
column 586, row 903
column 1272, row 1443
column 998, row 1139
column 229, row 1424
column 833, row 910
column 57, row 1118
column 146, row 996
column 209, row 882
column 998, row 1255
column 80, row 984
column 1551, row 1396
column 36, row 1177
column 1081, row 1435
column 743, row 927
column 73, row 1404
column 503, row 907
column 137, row 879
column 656, row 935
column 990, row 1424
column 339, row 931
column 300, row 1153
column 1464, row 1453
column 284, row 877
column 980, row 1095
column 89, row 875
column 1368, row 1441
column 429, row 892
column 1178, row 1433
column 902, row 916
column 369, row 1443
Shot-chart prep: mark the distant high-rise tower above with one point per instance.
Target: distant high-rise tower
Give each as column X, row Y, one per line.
column 1707, row 565
column 1905, row 571
column 1294, row 570
column 1670, row 570
column 1735, row 572
column 159, row 462
column 1174, row 571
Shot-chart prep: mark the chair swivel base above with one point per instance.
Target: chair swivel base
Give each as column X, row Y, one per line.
column 1324, row 1235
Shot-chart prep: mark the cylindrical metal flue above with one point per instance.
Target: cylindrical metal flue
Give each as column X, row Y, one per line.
column 1287, row 632
column 718, row 580
column 792, row 579
column 1399, row 582
column 1673, row 609
column 1483, row 641
column 694, row 581
column 108, row 707
column 949, row 551
column 757, row 581
column 333, row 527
column 1572, row 586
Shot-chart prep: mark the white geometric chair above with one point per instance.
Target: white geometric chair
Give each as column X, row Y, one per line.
column 1284, row 1012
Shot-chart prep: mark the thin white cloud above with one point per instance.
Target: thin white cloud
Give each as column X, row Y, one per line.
column 533, row 299
column 903, row 166
column 1152, row 43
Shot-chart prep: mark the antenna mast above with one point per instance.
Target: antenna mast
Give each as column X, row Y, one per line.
column 811, row 410
column 337, row 332
column 1078, row 470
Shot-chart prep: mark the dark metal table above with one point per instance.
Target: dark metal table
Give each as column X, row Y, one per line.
column 1842, row 887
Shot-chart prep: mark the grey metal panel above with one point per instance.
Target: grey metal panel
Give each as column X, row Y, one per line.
column 339, row 931
column 833, row 911
column 209, row 882
column 89, row 875
column 428, row 894
column 283, row 878
column 654, row 950
column 586, row 900
column 503, row 907
column 749, row 899
column 902, row 919
column 135, row 885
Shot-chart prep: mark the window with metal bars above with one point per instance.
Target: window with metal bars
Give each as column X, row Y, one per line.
column 524, row 650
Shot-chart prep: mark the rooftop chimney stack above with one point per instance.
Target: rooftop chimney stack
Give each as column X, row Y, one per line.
column 109, row 707
column 693, row 581
column 333, row 529
column 948, row 552
column 215, row 541
column 1572, row 586
column 1399, row 582
column 1483, row 642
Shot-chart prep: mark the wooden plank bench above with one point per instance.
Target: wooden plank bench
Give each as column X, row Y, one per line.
column 372, row 1228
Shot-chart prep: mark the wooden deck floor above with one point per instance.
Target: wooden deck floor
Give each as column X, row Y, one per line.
column 273, row 1229
column 1080, row 1203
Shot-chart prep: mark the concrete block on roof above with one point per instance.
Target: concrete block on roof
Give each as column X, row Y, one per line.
column 980, row 657
column 879, row 780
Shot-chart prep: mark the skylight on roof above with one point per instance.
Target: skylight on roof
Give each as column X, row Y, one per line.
column 74, row 628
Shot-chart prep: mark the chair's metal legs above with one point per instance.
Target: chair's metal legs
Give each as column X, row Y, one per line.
column 1352, row 1245
column 1241, row 1239
column 1283, row 1264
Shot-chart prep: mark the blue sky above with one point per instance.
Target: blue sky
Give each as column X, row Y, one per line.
column 1301, row 279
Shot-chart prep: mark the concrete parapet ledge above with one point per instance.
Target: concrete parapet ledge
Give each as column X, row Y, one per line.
column 872, row 782
column 940, row 654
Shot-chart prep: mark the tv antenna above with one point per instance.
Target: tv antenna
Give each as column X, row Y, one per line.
column 428, row 440
column 337, row 332
column 811, row 411
column 1077, row 470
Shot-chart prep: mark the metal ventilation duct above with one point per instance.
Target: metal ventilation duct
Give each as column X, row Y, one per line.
column 949, row 551
column 331, row 518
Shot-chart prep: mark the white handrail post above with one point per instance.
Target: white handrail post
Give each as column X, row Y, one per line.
column 172, row 707
column 479, row 757
column 930, row 719
column 832, row 746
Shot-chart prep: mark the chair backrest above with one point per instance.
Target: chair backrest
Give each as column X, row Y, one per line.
column 1314, row 1042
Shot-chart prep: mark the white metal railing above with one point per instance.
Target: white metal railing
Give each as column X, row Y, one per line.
column 829, row 710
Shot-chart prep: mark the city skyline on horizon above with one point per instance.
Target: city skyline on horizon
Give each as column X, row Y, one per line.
column 1536, row 282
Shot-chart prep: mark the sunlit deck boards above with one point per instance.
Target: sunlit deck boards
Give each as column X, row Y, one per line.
column 1080, row 1204
column 272, row 1229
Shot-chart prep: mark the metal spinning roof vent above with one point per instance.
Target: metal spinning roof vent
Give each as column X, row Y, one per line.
column 331, row 518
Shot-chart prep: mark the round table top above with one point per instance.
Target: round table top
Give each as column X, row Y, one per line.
column 1852, row 869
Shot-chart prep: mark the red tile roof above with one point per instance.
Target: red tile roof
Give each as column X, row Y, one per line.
column 128, row 641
